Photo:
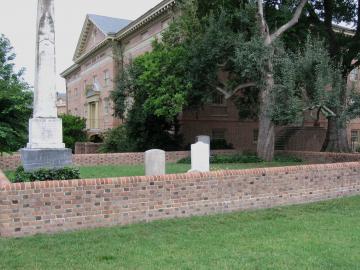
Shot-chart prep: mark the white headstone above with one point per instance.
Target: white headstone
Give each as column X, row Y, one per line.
column 155, row 162
column 203, row 138
column 200, row 157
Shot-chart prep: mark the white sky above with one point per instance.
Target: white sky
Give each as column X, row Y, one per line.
column 18, row 23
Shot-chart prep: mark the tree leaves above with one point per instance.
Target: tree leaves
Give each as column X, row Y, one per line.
column 15, row 102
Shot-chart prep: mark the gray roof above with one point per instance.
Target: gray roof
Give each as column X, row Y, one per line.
column 108, row 24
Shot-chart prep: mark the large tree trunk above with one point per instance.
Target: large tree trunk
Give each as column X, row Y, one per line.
column 336, row 137
column 266, row 138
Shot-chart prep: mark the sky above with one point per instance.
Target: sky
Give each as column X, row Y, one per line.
column 18, row 24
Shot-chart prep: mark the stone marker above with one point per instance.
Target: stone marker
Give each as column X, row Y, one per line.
column 155, row 162
column 200, row 157
column 45, row 148
column 203, row 138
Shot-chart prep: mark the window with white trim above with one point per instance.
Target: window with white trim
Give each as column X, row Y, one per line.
column 106, row 77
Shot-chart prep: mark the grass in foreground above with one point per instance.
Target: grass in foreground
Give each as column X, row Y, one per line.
column 315, row 236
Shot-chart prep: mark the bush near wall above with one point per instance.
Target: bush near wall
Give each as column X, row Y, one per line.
column 46, row 174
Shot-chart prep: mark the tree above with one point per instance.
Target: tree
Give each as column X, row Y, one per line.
column 266, row 138
column 345, row 51
column 223, row 49
column 74, row 130
column 255, row 49
column 15, row 101
column 157, row 92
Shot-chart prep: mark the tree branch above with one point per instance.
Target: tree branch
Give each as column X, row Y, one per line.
column 263, row 24
column 243, row 86
column 261, row 14
column 228, row 94
column 294, row 20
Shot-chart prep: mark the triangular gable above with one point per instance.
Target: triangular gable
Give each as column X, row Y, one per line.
column 104, row 26
column 92, row 41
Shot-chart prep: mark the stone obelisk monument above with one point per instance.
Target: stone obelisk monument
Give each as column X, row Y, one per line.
column 45, row 148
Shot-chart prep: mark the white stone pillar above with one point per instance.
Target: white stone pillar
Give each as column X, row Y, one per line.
column 155, row 162
column 45, row 68
column 45, row 148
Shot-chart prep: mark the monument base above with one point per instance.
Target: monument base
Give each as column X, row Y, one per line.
column 45, row 133
column 34, row 159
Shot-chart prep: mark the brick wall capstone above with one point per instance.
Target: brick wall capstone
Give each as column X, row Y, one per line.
column 49, row 207
column 322, row 157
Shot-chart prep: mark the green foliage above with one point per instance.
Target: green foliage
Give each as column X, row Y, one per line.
column 117, row 141
column 162, row 77
column 220, row 159
column 67, row 173
column 286, row 158
column 15, row 102
column 74, row 130
column 305, row 79
column 151, row 92
column 288, row 103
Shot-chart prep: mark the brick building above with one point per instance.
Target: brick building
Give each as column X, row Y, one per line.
column 61, row 103
column 90, row 80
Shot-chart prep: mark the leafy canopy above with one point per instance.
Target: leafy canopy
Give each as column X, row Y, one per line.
column 74, row 130
column 15, row 101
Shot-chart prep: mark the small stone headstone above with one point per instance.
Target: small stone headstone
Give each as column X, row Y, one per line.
column 203, row 138
column 154, row 162
column 200, row 157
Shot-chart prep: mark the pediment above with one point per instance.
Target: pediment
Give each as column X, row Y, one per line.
column 90, row 36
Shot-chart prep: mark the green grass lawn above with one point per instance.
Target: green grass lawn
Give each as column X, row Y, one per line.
column 315, row 236
column 171, row 168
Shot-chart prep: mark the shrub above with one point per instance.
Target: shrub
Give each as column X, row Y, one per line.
column 116, row 141
column 74, row 130
column 186, row 160
column 218, row 159
column 66, row 173
column 285, row 158
column 238, row 158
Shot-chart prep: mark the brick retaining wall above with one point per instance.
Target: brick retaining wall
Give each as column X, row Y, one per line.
column 3, row 179
column 322, row 157
column 49, row 207
column 87, row 147
column 12, row 162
